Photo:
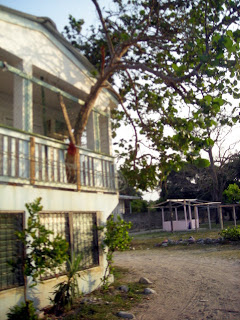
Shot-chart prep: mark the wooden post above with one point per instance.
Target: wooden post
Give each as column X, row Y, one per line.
column 162, row 216
column 149, row 219
column 9, row 158
column 209, row 218
column 70, row 223
column 171, row 215
column 190, row 214
column 197, row 218
column 176, row 215
column 234, row 216
column 195, row 215
column 78, row 171
column 220, row 216
column 185, row 213
column 16, row 158
column 32, row 160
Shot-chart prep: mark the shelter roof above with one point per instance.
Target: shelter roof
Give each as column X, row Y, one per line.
column 181, row 202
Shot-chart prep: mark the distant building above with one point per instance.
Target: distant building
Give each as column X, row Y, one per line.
column 124, row 205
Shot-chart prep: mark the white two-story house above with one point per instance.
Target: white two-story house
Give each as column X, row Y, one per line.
column 37, row 65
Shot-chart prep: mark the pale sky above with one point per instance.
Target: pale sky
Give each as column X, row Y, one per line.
column 57, row 10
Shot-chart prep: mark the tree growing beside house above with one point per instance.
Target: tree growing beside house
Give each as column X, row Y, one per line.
column 170, row 60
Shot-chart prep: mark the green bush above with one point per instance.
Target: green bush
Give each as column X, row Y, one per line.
column 231, row 233
column 232, row 194
column 24, row 311
column 116, row 237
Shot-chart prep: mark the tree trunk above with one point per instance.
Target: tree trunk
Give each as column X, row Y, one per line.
column 85, row 111
column 215, row 182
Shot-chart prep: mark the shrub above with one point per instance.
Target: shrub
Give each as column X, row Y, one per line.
column 25, row 311
column 40, row 254
column 232, row 193
column 231, row 233
column 116, row 237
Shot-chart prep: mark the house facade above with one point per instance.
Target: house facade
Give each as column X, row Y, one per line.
column 37, row 67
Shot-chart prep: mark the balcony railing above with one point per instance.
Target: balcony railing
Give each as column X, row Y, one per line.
column 36, row 160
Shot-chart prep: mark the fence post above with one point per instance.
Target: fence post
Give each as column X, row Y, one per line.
column 234, row 216
column 32, row 160
column 78, row 170
column 196, row 217
column 209, row 217
column 221, row 217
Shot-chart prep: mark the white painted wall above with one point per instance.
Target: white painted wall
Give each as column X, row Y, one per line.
column 32, row 43
column 179, row 225
column 15, row 197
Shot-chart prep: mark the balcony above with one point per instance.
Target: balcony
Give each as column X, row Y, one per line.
column 32, row 159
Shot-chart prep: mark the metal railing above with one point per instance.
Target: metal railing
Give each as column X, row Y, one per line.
column 33, row 159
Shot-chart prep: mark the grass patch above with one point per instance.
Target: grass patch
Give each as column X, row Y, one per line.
column 221, row 252
column 149, row 240
column 106, row 303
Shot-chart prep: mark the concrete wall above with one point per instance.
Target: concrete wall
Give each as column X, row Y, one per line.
column 15, row 197
column 144, row 220
column 179, row 225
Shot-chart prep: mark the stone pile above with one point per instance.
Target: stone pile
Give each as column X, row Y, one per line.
column 190, row 240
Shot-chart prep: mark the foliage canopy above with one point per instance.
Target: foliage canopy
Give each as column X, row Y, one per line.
column 172, row 63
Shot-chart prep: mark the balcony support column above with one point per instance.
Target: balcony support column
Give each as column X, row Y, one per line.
column 32, row 160
column 23, row 100
column 93, row 134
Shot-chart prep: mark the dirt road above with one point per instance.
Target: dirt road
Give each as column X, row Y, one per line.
column 190, row 284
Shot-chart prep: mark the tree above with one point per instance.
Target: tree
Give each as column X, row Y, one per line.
column 232, row 193
column 190, row 182
column 170, row 59
column 195, row 182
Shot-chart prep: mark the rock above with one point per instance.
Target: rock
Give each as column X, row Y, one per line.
column 208, row 241
column 110, row 278
column 200, row 241
column 191, row 240
column 145, row 280
column 171, row 241
column 149, row 291
column 125, row 315
column 40, row 314
column 164, row 244
column 123, row 288
column 84, row 300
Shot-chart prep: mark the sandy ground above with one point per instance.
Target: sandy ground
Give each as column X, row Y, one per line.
column 189, row 284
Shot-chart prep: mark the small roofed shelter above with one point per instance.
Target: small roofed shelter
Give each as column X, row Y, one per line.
column 124, row 205
column 189, row 207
